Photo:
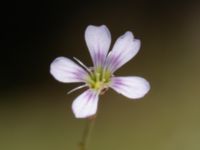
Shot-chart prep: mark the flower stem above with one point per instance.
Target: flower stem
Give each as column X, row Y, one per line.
column 87, row 133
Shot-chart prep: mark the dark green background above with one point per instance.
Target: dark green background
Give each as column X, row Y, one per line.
column 35, row 109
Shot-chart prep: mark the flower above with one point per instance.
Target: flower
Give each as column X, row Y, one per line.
column 101, row 76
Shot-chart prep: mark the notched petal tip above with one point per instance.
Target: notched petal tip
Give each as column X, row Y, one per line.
column 98, row 39
column 96, row 26
column 124, row 49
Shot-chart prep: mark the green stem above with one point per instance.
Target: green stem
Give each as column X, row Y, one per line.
column 87, row 133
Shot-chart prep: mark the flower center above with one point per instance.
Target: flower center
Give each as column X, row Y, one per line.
column 99, row 79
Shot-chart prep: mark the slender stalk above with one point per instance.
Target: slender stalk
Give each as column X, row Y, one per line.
column 87, row 133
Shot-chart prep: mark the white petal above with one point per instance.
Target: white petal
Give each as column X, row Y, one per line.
column 65, row 70
column 98, row 41
column 85, row 105
column 131, row 87
column 125, row 48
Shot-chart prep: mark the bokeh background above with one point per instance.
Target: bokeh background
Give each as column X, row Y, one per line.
column 35, row 109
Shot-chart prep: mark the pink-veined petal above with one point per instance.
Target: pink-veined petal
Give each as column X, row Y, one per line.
column 124, row 49
column 67, row 71
column 131, row 87
column 98, row 41
column 85, row 105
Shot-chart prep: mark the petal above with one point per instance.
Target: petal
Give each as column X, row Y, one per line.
column 98, row 41
column 65, row 70
column 125, row 48
column 131, row 87
column 85, row 105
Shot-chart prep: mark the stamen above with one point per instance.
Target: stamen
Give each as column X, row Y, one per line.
column 97, row 77
column 84, row 66
column 77, row 88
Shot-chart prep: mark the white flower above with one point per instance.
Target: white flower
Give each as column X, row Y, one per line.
column 100, row 77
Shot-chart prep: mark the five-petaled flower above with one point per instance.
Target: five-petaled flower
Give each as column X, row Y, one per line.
column 101, row 76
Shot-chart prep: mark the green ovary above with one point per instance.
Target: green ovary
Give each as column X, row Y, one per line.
column 99, row 79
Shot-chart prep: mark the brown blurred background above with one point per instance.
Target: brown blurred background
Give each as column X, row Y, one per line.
column 35, row 109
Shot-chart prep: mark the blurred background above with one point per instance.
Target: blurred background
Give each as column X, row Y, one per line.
column 35, row 109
